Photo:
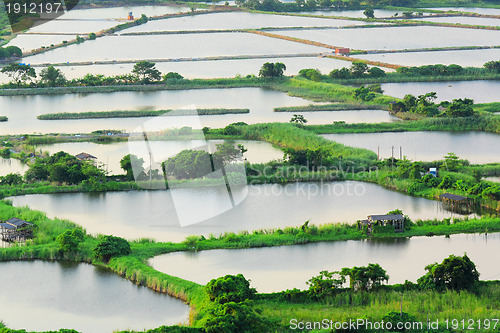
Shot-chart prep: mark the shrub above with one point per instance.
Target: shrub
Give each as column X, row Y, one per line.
column 110, row 246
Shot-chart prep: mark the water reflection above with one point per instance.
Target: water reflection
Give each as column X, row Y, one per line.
column 82, row 297
column 287, row 267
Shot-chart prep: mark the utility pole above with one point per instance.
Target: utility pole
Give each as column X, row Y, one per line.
column 392, row 157
column 150, row 168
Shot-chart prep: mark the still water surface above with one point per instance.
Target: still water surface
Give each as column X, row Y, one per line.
column 286, row 267
column 22, row 110
column 465, row 58
column 136, row 214
column 82, row 297
column 464, row 20
column 11, row 165
column 477, row 147
column 172, row 46
column 479, row 91
column 238, row 20
column 397, row 38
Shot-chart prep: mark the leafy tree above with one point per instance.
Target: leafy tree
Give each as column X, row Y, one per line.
column 14, row 51
column 92, row 36
column 130, row 162
column 230, row 288
column 343, row 73
column 363, row 93
column 376, row 72
column 110, row 246
column 20, row 73
column 460, row 108
column 395, row 318
column 172, row 76
column 369, row 13
column 365, row 277
column 358, row 68
column 325, row 284
column 270, row 69
column 311, row 74
column 37, row 172
column 451, row 162
column 298, row 119
column 5, row 153
column 410, row 102
column 188, row 164
column 325, row 3
column 69, row 240
column 227, row 153
column 493, row 65
column 454, row 272
column 146, row 72
column 311, row 4
column 52, row 77
column 11, row 179
column 235, row 317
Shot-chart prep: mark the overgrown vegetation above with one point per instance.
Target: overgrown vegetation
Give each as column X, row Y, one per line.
column 137, row 113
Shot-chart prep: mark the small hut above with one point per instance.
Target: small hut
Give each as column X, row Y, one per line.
column 85, row 157
column 396, row 220
column 16, row 229
column 130, row 16
column 456, row 203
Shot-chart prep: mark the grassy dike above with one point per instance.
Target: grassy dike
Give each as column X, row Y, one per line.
column 137, row 114
column 484, row 123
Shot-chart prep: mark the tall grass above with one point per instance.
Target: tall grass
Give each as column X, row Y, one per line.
column 479, row 305
column 486, row 123
column 290, row 136
column 326, row 107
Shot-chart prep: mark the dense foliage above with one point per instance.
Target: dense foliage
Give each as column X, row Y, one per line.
column 64, row 168
column 110, row 246
column 454, row 272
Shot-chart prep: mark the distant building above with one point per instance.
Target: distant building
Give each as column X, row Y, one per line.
column 342, row 50
column 433, row 171
column 85, row 157
column 16, row 229
column 130, row 16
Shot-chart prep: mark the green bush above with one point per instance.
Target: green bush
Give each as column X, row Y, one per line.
column 110, row 246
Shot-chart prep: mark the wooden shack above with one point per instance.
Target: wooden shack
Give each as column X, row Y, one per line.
column 16, row 229
column 396, row 220
column 85, row 157
column 457, row 203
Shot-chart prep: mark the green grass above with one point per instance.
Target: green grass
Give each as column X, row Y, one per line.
column 3, row 118
column 329, row 92
column 487, row 107
column 481, row 304
column 136, row 114
column 291, row 136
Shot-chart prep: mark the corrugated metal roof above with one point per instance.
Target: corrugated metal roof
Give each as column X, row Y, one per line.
column 386, row 217
column 7, row 226
column 17, row 222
